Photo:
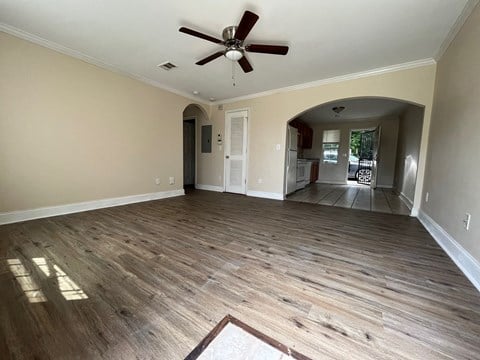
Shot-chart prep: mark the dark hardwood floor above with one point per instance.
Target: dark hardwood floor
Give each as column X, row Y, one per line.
column 150, row 280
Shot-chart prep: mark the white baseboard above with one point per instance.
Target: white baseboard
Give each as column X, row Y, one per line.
column 333, row 182
column 265, row 195
column 466, row 262
column 406, row 200
column 209, row 187
column 23, row 215
column 385, row 186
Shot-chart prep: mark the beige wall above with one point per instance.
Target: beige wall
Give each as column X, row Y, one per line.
column 409, row 137
column 72, row 132
column 453, row 173
column 65, row 122
column 337, row 173
column 269, row 116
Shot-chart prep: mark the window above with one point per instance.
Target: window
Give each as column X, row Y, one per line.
column 331, row 143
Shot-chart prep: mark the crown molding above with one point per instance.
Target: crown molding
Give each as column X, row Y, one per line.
column 93, row 61
column 336, row 79
column 462, row 18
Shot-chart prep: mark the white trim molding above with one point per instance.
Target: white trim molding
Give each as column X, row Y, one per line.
column 462, row 18
column 461, row 257
column 406, row 200
column 332, row 80
column 333, row 182
column 265, row 195
column 385, row 186
column 91, row 60
column 209, row 187
column 24, row 215
column 102, row 64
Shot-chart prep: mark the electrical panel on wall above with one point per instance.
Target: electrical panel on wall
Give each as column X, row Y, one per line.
column 206, row 139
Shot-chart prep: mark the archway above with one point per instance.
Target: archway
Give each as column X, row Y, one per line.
column 325, row 143
column 194, row 116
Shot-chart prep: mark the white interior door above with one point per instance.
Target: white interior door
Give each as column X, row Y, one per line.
column 375, row 157
column 236, row 151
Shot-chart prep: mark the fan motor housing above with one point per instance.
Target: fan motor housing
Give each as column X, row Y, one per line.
column 228, row 35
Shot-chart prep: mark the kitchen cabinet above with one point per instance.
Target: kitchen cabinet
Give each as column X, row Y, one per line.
column 308, row 172
column 314, row 172
column 307, row 137
column 305, row 134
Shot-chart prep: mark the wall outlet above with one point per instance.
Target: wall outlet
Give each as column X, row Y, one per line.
column 171, row 180
column 278, row 147
column 427, row 196
column 220, row 177
column 466, row 221
column 260, row 181
column 157, row 181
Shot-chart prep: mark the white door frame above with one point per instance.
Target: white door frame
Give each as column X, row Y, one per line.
column 375, row 160
column 349, row 143
column 247, row 152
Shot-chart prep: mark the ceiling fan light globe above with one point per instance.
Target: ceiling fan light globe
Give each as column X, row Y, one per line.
column 234, row 54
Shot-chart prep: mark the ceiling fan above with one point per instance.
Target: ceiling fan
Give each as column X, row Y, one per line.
column 233, row 38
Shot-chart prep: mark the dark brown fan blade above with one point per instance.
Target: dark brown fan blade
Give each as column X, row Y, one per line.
column 245, row 64
column 246, row 24
column 267, row 49
column 200, row 35
column 209, row 58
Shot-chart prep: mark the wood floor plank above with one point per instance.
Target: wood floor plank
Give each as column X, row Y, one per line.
column 329, row 282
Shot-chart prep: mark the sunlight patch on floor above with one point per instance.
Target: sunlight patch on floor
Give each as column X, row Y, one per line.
column 68, row 288
column 32, row 291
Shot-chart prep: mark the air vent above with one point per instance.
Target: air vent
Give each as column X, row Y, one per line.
column 167, row 65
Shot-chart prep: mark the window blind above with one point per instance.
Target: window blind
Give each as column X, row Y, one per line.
column 331, row 136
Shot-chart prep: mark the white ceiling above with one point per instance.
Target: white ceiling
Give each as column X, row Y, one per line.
column 355, row 110
column 327, row 38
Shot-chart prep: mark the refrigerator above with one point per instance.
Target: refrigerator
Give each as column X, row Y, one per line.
column 291, row 168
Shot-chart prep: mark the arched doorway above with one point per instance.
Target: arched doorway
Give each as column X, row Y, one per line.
column 195, row 140
column 327, row 138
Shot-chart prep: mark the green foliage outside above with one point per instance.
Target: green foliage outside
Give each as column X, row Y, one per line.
column 355, row 143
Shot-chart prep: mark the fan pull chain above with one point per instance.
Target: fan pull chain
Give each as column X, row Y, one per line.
column 233, row 73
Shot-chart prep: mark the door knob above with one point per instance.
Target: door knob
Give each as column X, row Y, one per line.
column 227, row 157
